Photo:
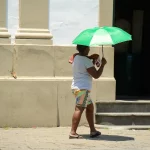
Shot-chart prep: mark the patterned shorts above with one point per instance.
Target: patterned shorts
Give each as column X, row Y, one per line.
column 82, row 98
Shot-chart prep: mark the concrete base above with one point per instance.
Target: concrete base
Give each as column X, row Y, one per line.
column 6, row 60
column 5, row 40
column 46, row 60
column 105, row 89
column 33, row 60
column 40, row 102
column 41, row 95
column 28, row 103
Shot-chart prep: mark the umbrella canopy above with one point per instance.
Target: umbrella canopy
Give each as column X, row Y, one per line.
column 102, row 36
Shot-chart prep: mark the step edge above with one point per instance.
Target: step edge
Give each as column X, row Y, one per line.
column 122, row 102
column 121, row 127
column 123, row 114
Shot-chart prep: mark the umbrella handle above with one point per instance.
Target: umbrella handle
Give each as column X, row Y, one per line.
column 102, row 52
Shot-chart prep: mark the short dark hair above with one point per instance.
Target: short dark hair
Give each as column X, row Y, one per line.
column 81, row 48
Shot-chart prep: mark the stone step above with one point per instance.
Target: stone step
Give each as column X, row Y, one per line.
column 130, row 118
column 123, row 106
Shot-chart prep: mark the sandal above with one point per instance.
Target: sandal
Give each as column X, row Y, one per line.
column 71, row 136
column 95, row 134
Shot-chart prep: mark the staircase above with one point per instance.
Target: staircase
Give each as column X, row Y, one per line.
column 123, row 113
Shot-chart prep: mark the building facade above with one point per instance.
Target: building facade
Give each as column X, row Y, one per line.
column 35, row 75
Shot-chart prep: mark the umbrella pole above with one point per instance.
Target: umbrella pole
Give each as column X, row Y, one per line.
column 102, row 52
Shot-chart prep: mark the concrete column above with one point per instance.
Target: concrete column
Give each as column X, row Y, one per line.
column 106, row 87
column 105, row 12
column 4, row 35
column 33, row 22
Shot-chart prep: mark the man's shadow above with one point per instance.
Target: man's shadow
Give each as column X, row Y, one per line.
column 108, row 138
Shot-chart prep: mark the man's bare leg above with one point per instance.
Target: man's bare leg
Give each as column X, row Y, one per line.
column 76, row 119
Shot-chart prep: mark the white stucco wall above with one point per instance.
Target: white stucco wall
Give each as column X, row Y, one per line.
column 66, row 18
column 13, row 17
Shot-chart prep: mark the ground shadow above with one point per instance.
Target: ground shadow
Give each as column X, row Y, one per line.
column 108, row 138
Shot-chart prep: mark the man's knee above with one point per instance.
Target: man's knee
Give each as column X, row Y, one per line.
column 90, row 108
column 79, row 108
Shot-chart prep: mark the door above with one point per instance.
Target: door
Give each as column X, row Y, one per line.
column 132, row 64
column 145, row 64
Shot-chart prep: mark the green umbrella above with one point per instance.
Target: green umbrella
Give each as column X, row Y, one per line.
column 102, row 36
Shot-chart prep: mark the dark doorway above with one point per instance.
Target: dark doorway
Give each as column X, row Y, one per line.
column 132, row 59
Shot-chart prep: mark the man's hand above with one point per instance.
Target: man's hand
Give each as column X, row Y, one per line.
column 103, row 61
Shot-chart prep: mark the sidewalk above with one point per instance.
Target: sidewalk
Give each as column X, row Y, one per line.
column 57, row 139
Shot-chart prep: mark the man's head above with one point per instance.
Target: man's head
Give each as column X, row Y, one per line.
column 83, row 50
